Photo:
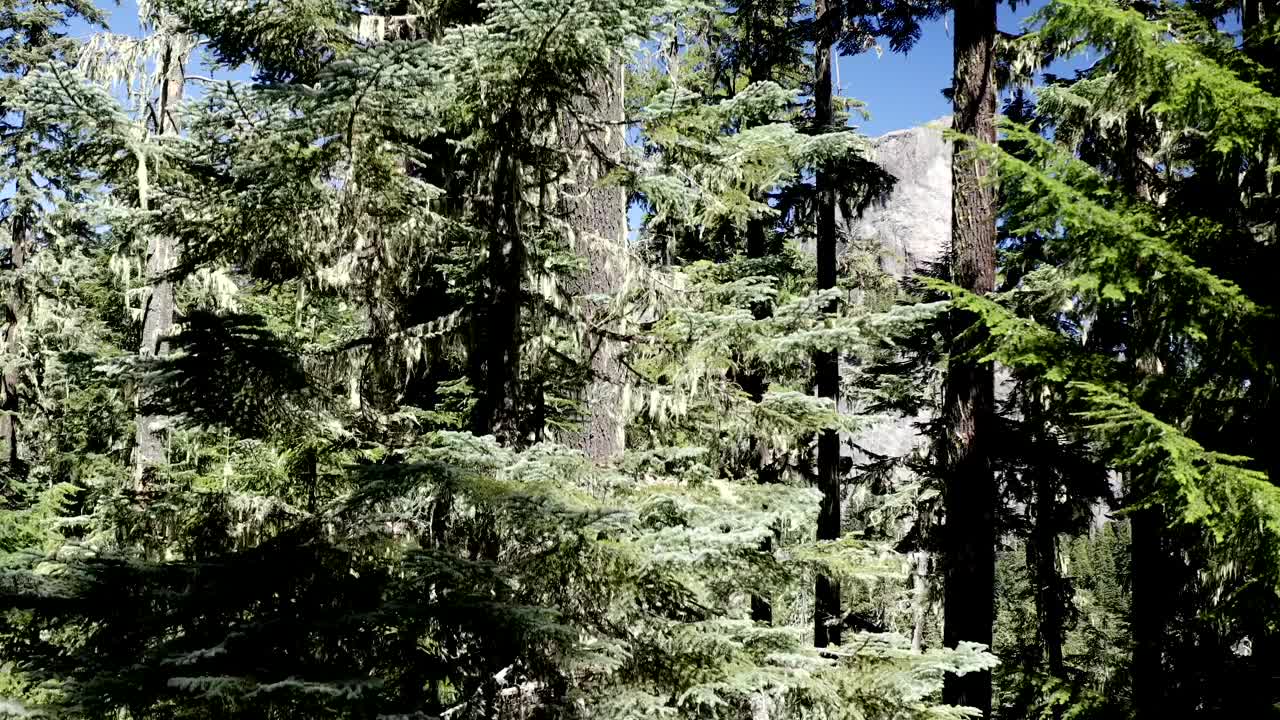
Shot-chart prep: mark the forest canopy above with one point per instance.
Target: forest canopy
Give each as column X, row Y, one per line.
column 409, row 359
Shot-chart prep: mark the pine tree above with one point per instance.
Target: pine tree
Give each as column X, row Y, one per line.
column 968, row 410
column 827, row 614
column 417, row 552
column 1153, row 319
column 33, row 34
column 158, row 304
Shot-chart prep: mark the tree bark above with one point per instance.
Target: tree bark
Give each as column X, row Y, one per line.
column 593, row 134
column 15, row 315
column 968, row 404
column 158, row 307
column 827, row 615
column 1148, row 612
column 497, row 407
column 1149, row 558
column 919, row 598
column 1044, row 568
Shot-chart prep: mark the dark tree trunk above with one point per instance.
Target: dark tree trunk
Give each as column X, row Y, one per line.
column 15, row 315
column 755, row 384
column 1150, row 600
column 497, row 407
column 593, row 135
column 968, row 404
column 753, row 381
column 158, row 307
column 1044, row 567
column 827, row 615
column 1259, row 41
column 1151, row 585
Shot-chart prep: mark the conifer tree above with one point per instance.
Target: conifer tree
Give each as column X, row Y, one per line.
column 33, row 34
column 308, row 556
column 968, row 410
column 827, row 614
column 158, row 304
column 1158, row 268
column 594, row 130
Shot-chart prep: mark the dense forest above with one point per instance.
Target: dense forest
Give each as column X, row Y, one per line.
column 407, row 359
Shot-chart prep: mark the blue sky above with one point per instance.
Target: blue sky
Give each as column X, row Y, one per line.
column 903, row 91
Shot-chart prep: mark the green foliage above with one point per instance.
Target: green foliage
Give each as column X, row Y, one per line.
column 362, row 513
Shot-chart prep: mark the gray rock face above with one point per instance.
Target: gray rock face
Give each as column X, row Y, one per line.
column 912, row 224
column 912, row 228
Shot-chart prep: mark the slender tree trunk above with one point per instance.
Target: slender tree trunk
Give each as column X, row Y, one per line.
column 15, row 315
column 827, row 615
column 158, row 308
column 919, row 598
column 1148, row 612
column 1044, row 568
column 970, row 494
column 755, row 384
column 1149, row 559
column 760, row 67
column 597, row 213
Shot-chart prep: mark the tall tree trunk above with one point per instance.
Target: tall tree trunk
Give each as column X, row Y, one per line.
column 1149, row 558
column 593, row 133
column 919, row 598
column 754, row 381
column 15, row 315
column 1044, row 567
column 827, row 616
column 1148, row 611
column 158, row 308
column 968, row 405
column 497, row 410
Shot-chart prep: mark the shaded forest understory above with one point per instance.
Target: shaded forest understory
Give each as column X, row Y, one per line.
column 523, row 359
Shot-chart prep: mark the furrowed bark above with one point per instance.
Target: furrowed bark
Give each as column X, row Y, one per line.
column 968, row 404
column 159, row 306
column 597, row 214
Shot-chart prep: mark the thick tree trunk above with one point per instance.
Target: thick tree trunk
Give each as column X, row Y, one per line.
column 970, row 494
column 597, row 214
column 158, row 307
column 15, row 315
column 497, row 410
column 827, row 615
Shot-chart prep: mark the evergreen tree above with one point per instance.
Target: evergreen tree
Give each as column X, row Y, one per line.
column 359, row 514
column 1152, row 322
column 968, row 410
column 827, row 612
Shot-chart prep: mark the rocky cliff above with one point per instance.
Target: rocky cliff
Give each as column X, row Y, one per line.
column 912, row 227
column 912, row 223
